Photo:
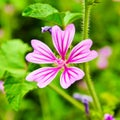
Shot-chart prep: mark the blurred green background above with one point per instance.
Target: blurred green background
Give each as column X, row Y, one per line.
column 45, row 104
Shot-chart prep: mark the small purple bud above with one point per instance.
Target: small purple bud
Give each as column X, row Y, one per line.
column 86, row 104
column 108, row 117
column 82, row 98
column 85, row 99
column 46, row 29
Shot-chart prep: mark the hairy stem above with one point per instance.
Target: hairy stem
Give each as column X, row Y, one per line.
column 88, row 80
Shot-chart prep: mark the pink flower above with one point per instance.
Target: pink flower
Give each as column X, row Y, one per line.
column 108, row 117
column 1, row 86
column 104, row 54
column 42, row 54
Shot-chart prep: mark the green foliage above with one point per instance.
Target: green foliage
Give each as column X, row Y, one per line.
column 12, row 56
column 41, row 11
column 13, row 65
column 48, row 13
column 16, row 87
column 42, row 104
column 91, row 2
column 71, row 17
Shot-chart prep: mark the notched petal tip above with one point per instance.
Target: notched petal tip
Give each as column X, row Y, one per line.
column 88, row 42
column 65, row 87
column 81, row 52
column 94, row 54
column 34, row 41
column 70, row 26
column 28, row 57
column 41, row 53
column 29, row 77
column 41, row 85
column 62, row 39
column 70, row 75
column 55, row 28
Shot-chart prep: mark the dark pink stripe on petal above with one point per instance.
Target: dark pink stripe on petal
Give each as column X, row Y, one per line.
column 62, row 39
column 39, row 59
column 92, row 55
column 47, row 80
column 41, row 54
column 70, row 75
column 43, row 76
column 82, row 53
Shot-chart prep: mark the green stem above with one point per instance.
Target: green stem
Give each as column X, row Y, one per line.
column 91, row 88
column 67, row 97
column 44, row 105
column 86, row 20
column 86, row 65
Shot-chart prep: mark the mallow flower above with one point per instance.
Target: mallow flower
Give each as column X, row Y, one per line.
column 108, row 117
column 62, row 40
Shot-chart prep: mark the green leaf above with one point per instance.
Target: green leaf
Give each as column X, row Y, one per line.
column 16, row 88
column 12, row 61
column 48, row 13
column 71, row 17
column 56, row 18
column 12, row 56
column 1, row 73
column 39, row 10
column 43, row 12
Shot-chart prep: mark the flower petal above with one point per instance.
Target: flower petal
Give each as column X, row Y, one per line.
column 1, row 86
column 82, row 53
column 62, row 39
column 43, row 76
column 102, row 63
column 41, row 53
column 70, row 75
column 106, row 51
